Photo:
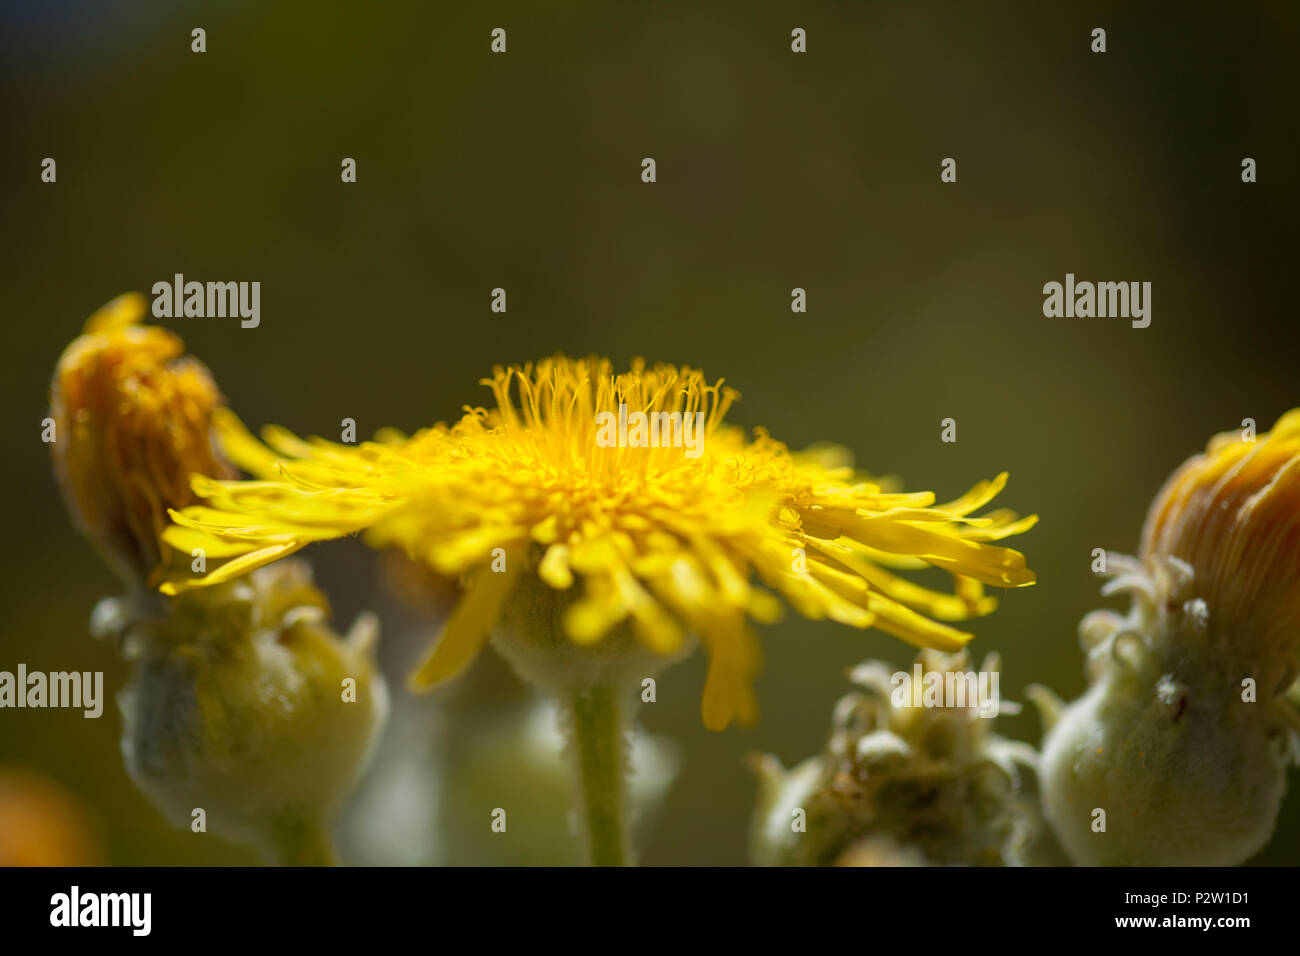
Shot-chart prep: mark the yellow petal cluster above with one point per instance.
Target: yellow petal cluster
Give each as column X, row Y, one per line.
column 669, row 543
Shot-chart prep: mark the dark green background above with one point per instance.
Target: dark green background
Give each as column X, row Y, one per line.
column 775, row 170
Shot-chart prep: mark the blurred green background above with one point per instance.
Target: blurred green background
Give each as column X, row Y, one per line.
column 775, row 170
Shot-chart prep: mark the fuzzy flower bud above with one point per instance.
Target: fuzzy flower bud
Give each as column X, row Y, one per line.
column 1176, row 753
column 901, row 782
column 247, row 706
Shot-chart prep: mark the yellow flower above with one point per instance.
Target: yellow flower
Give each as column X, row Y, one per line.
column 132, row 424
column 664, row 541
column 1231, row 519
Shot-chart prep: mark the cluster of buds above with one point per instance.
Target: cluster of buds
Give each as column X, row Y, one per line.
column 906, row 778
column 246, row 712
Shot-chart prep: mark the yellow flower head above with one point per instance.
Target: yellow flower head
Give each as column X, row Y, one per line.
column 1230, row 519
column 132, row 424
column 647, row 524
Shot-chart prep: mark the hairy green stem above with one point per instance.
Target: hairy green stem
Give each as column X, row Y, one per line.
column 299, row 841
column 599, row 752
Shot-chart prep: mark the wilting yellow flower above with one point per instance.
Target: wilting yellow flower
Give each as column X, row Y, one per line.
column 1232, row 516
column 667, row 539
column 132, row 424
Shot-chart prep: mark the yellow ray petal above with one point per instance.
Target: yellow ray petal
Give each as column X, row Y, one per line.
column 734, row 662
column 917, row 629
column 242, row 448
column 467, row 630
column 233, row 569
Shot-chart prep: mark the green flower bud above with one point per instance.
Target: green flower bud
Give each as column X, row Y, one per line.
column 1168, row 759
column 246, row 705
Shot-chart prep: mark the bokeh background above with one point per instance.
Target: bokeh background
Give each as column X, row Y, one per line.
column 775, row 170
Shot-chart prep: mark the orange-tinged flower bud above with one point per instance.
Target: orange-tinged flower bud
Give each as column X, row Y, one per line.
column 132, row 421
column 1177, row 753
column 1231, row 516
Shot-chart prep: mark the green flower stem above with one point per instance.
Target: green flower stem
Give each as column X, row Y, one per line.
column 300, row 841
column 599, row 749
